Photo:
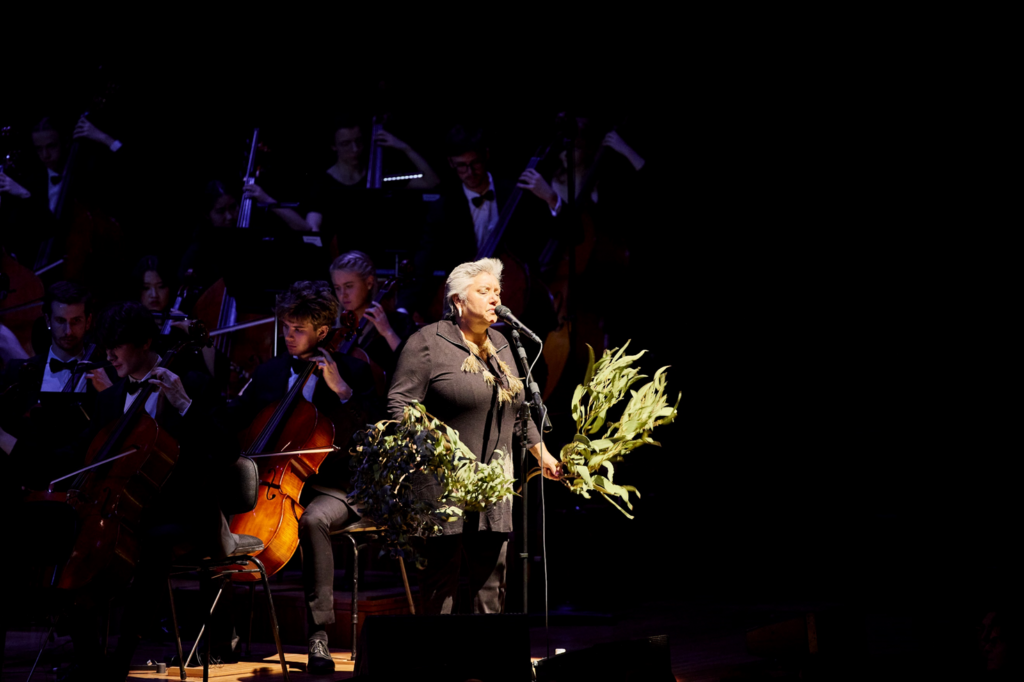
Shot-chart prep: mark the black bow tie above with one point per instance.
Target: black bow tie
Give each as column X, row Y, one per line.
column 486, row 196
column 59, row 366
column 134, row 386
column 55, row 179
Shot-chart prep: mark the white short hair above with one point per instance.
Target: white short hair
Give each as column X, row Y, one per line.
column 462, row 276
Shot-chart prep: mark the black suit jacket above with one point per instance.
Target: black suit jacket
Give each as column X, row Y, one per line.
column 49, row 432
column 526, row 235
column 270, row 384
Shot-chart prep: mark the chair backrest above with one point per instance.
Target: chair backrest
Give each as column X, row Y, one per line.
column 242, row 484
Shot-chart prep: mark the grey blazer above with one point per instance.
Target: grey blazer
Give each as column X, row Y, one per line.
column 430, row 371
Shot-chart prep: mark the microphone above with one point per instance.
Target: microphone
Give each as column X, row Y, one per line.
column 504, row 313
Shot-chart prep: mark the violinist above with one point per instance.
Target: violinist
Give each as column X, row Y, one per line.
column 356, row 286
column 341, row 388
column 156, row 286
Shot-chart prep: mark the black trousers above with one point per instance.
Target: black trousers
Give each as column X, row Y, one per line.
column 324, row 514
column 480, row 556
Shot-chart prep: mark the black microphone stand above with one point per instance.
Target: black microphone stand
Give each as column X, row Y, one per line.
column 524, row 418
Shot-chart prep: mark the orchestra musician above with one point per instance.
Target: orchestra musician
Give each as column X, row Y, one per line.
column 217, row 213
column 40, row 191
column 68, row 311
column 463, row 372
column 339, row 199
column 341, row 388
column 156, row 286
column 473, row 208
column 356, row 286
column 187, row 516
column 187, row 519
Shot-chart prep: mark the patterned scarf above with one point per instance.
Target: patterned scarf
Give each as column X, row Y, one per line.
column 474, row 364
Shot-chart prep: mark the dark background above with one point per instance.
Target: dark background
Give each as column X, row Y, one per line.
column 839, row 437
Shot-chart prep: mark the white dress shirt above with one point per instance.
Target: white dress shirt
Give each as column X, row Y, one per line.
column 53, row 191
column 54, row 383
column 485, row 218
column 307, row 390
column 153, row 401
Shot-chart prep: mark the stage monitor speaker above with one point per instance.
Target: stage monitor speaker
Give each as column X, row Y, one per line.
column 634, row 660
column 453, row 648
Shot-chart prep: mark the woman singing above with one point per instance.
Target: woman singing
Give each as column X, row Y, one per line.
column 461, row 370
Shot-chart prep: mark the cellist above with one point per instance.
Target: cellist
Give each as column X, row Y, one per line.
column 186, row 517
column 67, row 309
column 342, row 388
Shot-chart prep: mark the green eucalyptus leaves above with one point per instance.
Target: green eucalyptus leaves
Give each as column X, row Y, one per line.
column 589, row 462
column 388, row 455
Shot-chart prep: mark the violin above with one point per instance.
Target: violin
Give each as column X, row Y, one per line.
column 345, row 339
column 127, row 464
column 289, row 440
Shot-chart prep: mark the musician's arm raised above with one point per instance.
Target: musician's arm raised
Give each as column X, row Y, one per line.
column 429, row 180
column 615, row 141
column 291, row 218
column 535, row 182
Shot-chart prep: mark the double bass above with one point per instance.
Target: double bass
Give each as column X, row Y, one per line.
column 82, row 230
column 127, row 464
column 218, row 309
column 290, row 440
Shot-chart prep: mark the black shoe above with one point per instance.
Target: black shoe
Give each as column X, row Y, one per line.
column 320, row 661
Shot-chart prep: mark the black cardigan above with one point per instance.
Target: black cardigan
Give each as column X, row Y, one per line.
column 430, row 371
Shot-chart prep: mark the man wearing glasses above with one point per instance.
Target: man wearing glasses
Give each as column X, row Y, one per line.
column 482, row 198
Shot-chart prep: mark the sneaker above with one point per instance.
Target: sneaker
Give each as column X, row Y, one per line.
column 320, row 661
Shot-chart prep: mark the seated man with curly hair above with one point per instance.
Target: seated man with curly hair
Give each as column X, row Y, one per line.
column 342, row 388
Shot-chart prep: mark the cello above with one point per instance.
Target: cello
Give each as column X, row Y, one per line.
column 299, row 438
column 128, row 463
